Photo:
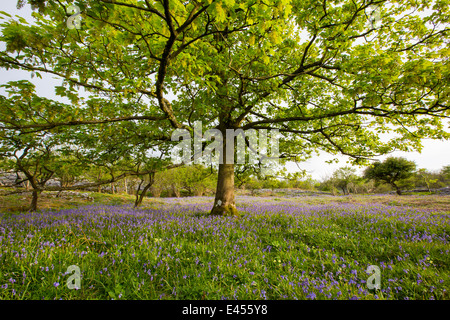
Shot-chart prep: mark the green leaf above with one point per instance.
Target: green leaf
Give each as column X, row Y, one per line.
column 5, row 14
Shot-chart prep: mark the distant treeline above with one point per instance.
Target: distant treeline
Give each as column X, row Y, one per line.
column 394, row 174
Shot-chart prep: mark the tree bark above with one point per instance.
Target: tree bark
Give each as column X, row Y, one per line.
column 397, row 189
column 34, row 199
column 99, row 188
column 140, row 197
column 224, row 202
column 176, row 191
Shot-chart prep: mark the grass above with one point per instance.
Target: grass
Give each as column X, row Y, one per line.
column 281, row 248
column 18, row 203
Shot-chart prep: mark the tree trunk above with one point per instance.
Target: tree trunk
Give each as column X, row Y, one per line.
column 397, row 189
column 140, row 197
column 34, row 199
column 99, row 177
column 224, row 204
column 176, row 191
column 156, row 192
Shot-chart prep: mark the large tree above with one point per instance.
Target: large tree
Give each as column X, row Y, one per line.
column 321, row 72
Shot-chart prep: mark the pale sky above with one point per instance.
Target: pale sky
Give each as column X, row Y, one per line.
column 435, row 153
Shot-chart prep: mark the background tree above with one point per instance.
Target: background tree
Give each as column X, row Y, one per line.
column 243, row 176
column 197, row 179
column 35, row 154
column 102, row 152
column 445, row 172
column 36, row 158
column 253, row 184
column 392, row 171
column 362, row 186
column 343, row 177
column 68, row 171
column 306, row 183
column 427, row 178
column 320, row 72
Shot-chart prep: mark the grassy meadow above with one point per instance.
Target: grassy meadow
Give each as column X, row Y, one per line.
column 310, row 247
